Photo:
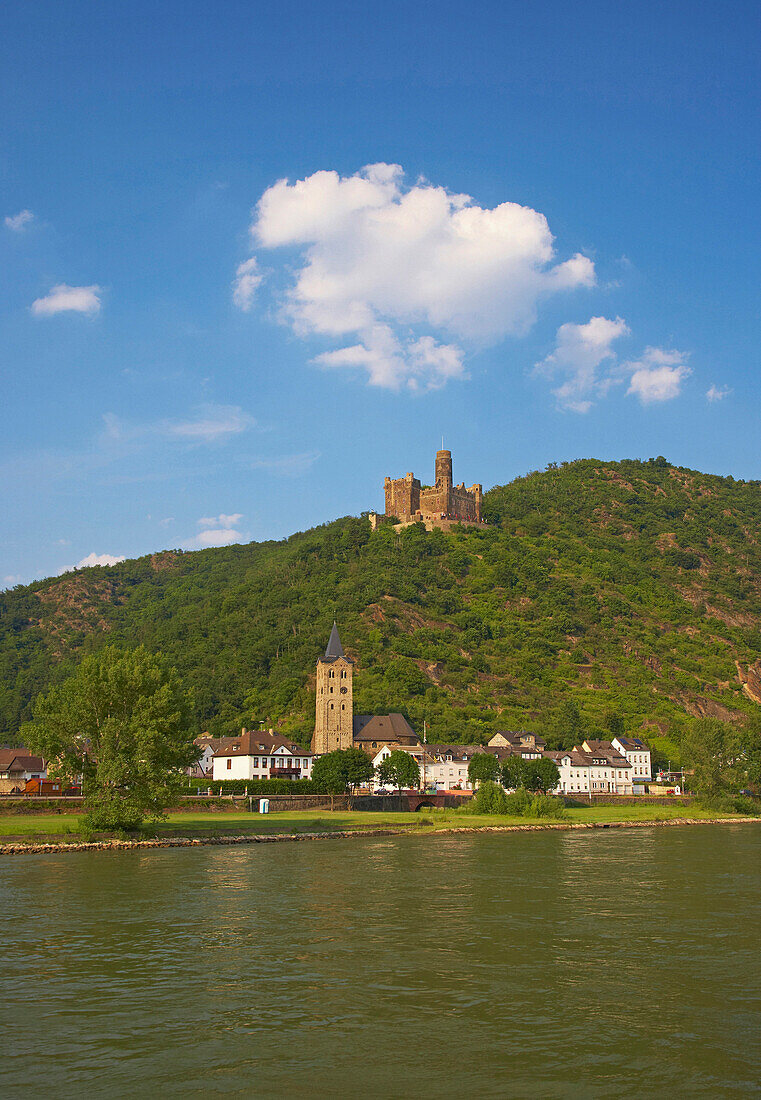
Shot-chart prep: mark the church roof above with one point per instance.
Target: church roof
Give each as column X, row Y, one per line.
column 334, row 649
column 384, row 727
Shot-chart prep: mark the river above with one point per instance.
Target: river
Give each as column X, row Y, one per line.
column 602, row 964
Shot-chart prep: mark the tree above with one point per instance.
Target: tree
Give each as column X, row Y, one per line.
column 122, row 723
column 714, row 750
column 513, row 772
column 483, row 767
column 339, row 772
column 540, row 775
column 399, row 769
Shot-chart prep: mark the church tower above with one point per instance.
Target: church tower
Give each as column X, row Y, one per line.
column 334, row 718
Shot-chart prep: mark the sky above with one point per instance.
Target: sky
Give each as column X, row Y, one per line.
column 256, row 257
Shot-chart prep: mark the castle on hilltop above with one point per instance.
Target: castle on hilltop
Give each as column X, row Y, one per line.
column 440, row 505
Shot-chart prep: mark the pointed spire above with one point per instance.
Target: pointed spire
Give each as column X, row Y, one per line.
column 335, row 649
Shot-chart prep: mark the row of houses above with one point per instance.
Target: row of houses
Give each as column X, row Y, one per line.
column 621, row 766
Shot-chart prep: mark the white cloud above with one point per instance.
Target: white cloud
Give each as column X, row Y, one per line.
column 716, row 393
column 247, row 280
column 381, row 259
column 63, row 299
column 99, row 559
column 658, row 375
column 167, row 522
column 579, row 352
column 221, row 530
column 11, row 579
column 211, row 424
column 18, row 222
column 222, row 520
column 418, row 364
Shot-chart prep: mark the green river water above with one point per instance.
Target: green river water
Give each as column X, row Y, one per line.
column 600, row 964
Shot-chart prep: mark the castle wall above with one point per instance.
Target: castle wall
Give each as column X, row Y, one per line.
column 443, row 501
column 402, row 496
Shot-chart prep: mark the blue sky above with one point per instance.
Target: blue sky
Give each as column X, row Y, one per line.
column 218, row 324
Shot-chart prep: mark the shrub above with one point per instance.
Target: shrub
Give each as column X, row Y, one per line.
column 490, row 798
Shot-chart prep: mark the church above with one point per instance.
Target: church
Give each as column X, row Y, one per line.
column 336, row 725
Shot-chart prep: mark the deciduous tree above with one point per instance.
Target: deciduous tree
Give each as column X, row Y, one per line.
column 483, row 767
column 122, row 723
column 399, row 769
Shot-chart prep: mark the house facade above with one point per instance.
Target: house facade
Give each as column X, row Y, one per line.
column 258, row 755
column 17, row 767
column 638, row 754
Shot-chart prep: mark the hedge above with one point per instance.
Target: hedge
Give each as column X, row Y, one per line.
column 254, row 786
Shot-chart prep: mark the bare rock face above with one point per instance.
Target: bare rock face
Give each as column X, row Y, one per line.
column 750, row 678
column 700, row 707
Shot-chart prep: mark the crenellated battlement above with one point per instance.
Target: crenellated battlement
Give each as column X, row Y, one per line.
column 439, row 505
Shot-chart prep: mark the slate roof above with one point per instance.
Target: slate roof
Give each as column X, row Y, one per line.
column 633, row 743
column 254, row 742
column 384, row 727
column 334, row 649
column 20, row 760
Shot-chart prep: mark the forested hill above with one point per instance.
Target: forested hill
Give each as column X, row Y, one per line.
column 602, row 596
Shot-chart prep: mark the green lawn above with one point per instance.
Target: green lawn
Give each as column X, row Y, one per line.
column 305, row 821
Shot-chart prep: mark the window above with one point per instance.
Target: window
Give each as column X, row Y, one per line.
column 256, row 761
column 229, row 763
column 331, row 705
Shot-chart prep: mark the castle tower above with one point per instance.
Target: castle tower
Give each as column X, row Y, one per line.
column 334, row 716
column 443, row 469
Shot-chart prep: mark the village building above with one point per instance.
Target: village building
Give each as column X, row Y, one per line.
column 521, row 743
column 446, row 766
column 207, row 746
column 336, row 726
column 17, row 767
column 440, row 505
column 638, row 754
column 258, row 755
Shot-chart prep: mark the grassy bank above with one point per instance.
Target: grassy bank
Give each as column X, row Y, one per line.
column 196, row 824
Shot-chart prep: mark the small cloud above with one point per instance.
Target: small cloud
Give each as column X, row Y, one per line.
column 17, row 223
column 247, row 280
column 166, row 522
column 63, row 542
column 579, row 352
column 217, row 422
column 99, row 559
column 68, row 299
column 221, row 530
column 417, row 364
column 92, row 560
column 221, row 520
column 11, row 579
column 658, row 375
column 716, row 393
column 211, row 424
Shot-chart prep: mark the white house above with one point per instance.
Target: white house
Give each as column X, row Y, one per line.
column 417, row 752
column 638, row 755
column 574, row 768
column 258, row 755
column 207, row 746
column 609, row 770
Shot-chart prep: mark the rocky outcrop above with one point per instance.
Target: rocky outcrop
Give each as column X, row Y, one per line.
column 701, row 707
column 750, row 679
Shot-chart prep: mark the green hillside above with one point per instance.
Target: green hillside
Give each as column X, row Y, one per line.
column 603, row 596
